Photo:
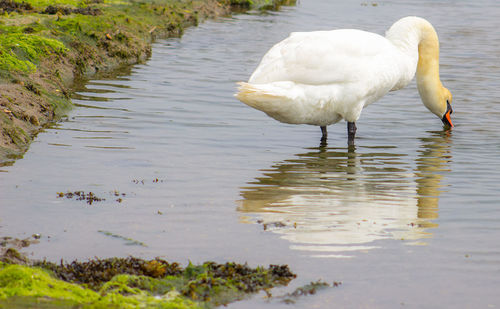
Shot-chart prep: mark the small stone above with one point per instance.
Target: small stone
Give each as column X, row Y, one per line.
column 34, row 120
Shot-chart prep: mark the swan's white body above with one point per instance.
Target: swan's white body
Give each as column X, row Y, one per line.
column 321, row 77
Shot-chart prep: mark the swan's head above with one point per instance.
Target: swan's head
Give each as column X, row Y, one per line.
column 438, row 100
column 446, row 101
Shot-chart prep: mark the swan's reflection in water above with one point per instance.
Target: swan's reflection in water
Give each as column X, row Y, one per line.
column 330, row 201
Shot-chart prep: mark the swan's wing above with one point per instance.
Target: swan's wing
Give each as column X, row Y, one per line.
column 326, row 57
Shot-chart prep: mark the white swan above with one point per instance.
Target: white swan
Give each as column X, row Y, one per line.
column 321, row 77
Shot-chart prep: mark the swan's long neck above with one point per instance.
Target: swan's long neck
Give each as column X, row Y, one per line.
column 428, row 81
column 417, row 38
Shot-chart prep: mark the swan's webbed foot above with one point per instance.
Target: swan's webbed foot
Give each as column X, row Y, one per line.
column 351, row 132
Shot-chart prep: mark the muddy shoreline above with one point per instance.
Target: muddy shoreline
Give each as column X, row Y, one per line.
column 47, row 49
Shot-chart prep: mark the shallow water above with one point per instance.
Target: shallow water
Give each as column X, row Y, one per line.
column 409, row 218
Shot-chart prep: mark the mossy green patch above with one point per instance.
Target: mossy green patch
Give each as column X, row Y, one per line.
column 20, row 51
column 18, row 280
column 44, row 3
column 22, row 284
column 141, row 291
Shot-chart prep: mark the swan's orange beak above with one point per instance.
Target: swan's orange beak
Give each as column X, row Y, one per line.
column 446, row 118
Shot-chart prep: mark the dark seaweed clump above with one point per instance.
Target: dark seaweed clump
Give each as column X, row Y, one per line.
column 206, row 281
column 53, row 9
column 11, row 6
column 98, row 271
column 306, row 290
column 9, row 247
column 90, row 197
column 213, row 283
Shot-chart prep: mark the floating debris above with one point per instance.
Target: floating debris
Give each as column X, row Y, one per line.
column 129, row 241
column 309, row 289
column 367, row 4
column 143, row 181
column 117, row 193
column 277, row 224
column 90, row 197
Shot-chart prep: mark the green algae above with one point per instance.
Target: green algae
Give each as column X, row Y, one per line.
column 34, row 285
column 135, row 283
column 141, row 291
column 18, row 280
column 76, row 3
column 20, row 51
column 44, row 3
column 220, row 284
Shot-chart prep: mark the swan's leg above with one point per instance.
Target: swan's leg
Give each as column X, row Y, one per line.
column 324, row 133
column 351, row 132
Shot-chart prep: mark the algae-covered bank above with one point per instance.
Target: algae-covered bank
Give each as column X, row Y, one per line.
column 46, row 45
column 127, row 282
column 133, row 283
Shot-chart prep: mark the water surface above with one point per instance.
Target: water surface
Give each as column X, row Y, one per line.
column 407, row 218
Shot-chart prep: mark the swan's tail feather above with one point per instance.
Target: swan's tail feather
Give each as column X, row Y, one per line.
column 289, row 102
column 254, row 95
column 264, row 97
